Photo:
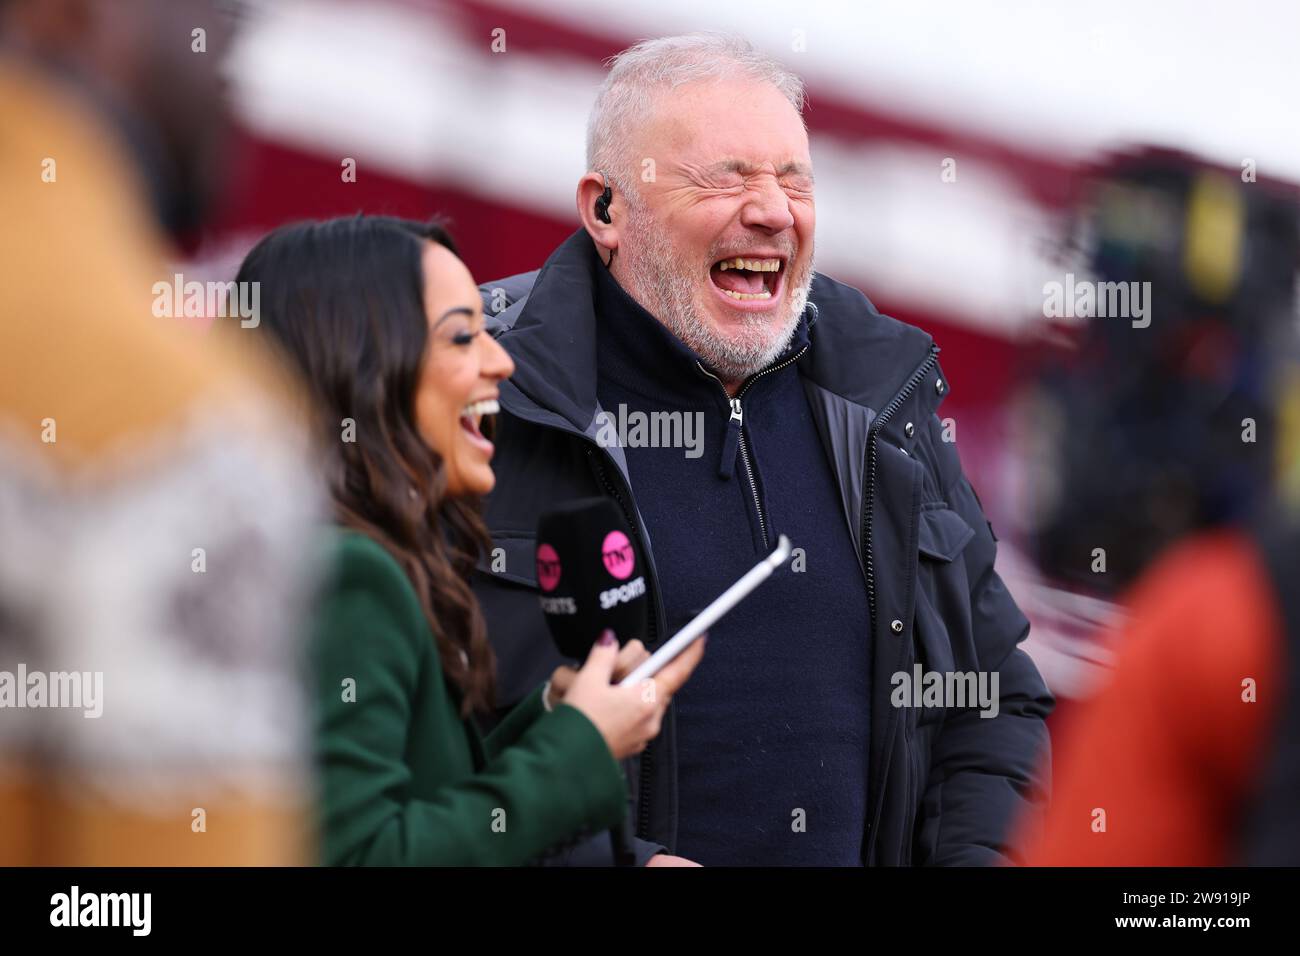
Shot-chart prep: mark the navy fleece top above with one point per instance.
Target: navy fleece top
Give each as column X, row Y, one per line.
column 772, row 728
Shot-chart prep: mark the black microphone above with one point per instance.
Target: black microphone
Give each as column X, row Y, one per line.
column 591, row 576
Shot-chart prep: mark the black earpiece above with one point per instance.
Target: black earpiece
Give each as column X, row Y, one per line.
column 602, row 203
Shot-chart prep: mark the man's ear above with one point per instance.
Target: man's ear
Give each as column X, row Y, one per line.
column 605, row 234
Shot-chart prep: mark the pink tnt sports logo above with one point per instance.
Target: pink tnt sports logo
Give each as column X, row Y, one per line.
column 617, row 555
column 548, row 567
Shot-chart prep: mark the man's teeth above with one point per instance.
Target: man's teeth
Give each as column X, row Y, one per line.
column 747, row 295
column 487, row 407
column 752, row 265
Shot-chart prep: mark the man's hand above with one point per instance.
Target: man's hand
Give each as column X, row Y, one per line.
column 663, row 859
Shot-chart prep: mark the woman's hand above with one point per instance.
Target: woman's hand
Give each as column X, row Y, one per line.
column 629, row 658
column 627, row 717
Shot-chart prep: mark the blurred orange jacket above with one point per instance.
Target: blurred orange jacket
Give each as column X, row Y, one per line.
column 1158, row 768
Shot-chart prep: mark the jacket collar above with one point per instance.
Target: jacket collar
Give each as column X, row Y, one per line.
column 857, row 353
column 635, row 349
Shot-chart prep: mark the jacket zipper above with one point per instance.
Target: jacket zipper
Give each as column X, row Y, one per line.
column 869, row 466
column 738, row 416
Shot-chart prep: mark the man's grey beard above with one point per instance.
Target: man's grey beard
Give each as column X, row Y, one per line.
column 664, row 284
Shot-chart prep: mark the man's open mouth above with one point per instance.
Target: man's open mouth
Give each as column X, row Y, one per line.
column 747, row 279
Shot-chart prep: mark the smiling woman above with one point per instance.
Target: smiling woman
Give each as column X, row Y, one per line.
column 398, row 358
column 458, row 386
column 385, row 324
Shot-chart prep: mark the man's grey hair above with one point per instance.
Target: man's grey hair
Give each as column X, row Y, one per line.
column 642, row 71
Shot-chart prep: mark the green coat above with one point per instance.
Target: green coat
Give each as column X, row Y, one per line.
column 404, row 780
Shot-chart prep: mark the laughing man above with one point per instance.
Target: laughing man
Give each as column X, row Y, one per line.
column 690, row 288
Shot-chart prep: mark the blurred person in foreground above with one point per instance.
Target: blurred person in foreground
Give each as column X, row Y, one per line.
column 386, row 326
column 154, row 497
column 1163, row 442
column 689, row 295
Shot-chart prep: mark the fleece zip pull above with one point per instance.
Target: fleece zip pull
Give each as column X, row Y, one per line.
column 731, row 443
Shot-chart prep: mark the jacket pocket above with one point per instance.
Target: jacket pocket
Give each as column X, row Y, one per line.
column 943, row 613
column 505, row 583
column 512, row 557
column 943, row 533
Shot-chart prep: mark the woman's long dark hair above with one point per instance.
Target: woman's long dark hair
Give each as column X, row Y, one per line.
column 344, row 300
